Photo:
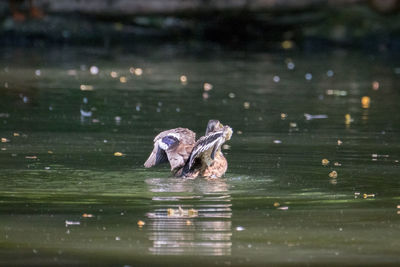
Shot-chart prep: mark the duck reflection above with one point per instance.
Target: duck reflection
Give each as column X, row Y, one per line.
column 191, row 217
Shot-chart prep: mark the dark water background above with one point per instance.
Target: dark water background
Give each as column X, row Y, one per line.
column 276, row 205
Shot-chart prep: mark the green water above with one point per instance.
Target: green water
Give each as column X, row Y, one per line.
column 276, row 205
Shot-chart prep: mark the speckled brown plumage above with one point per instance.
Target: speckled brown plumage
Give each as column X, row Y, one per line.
column 191, row 159
column 177, row 155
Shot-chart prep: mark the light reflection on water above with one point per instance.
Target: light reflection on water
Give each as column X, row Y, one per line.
column 173, row 230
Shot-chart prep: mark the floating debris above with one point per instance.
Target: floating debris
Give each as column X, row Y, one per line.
column 246, row 105
column 16, row 134
column 31, row 157
column 283, row 116
column 24, row 98
column 68, row 223
column 226, row 147
column 398, row 206
column 291, row 65
column 277, row 142
column 94, row 70
column 231, row 95
column 333, row 174
column 276, row 204
column 348, row 119
column 205, row 95
column 188, row 222
column 38, row 72
column 170, row 212
column 239, row 132
column 293, row 125
column 337, row 164
column 379, row 156
column 86, row 113
column 365, row 101
column 330, row 73
column 336, row 92
column 183, row 79
column 308, row 76
column 118, row 154
column 4, row 115
column 141, row 223
column 287, row 44
column 312, row 117
column 207, row 87
column 138, row 71
column 86, row 87
column 368, row 195
column 4, row 140
column 114, row 74
column 365, row 195
column 117, row 238
column 325, row 162
column 276, row 79
column 87, row 215
column 375, row 85
column 283, row 208
column 240, row 228
column 193, row 212
column 339, row 142
column 182, row 213
column 122, row 79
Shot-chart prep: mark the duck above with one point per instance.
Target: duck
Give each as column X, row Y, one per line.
column 189, row 158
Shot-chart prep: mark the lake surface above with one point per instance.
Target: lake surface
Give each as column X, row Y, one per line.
column 77, row 125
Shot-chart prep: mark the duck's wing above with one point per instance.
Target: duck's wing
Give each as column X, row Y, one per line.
column 173, row 146
column 206, row 147
column 156, row 157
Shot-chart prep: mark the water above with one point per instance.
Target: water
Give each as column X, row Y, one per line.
column 73, row 187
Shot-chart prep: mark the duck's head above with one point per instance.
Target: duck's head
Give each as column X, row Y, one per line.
column 227, row 132
column 213, row 125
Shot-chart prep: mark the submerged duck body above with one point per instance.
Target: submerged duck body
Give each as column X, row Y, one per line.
column 189, row 158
